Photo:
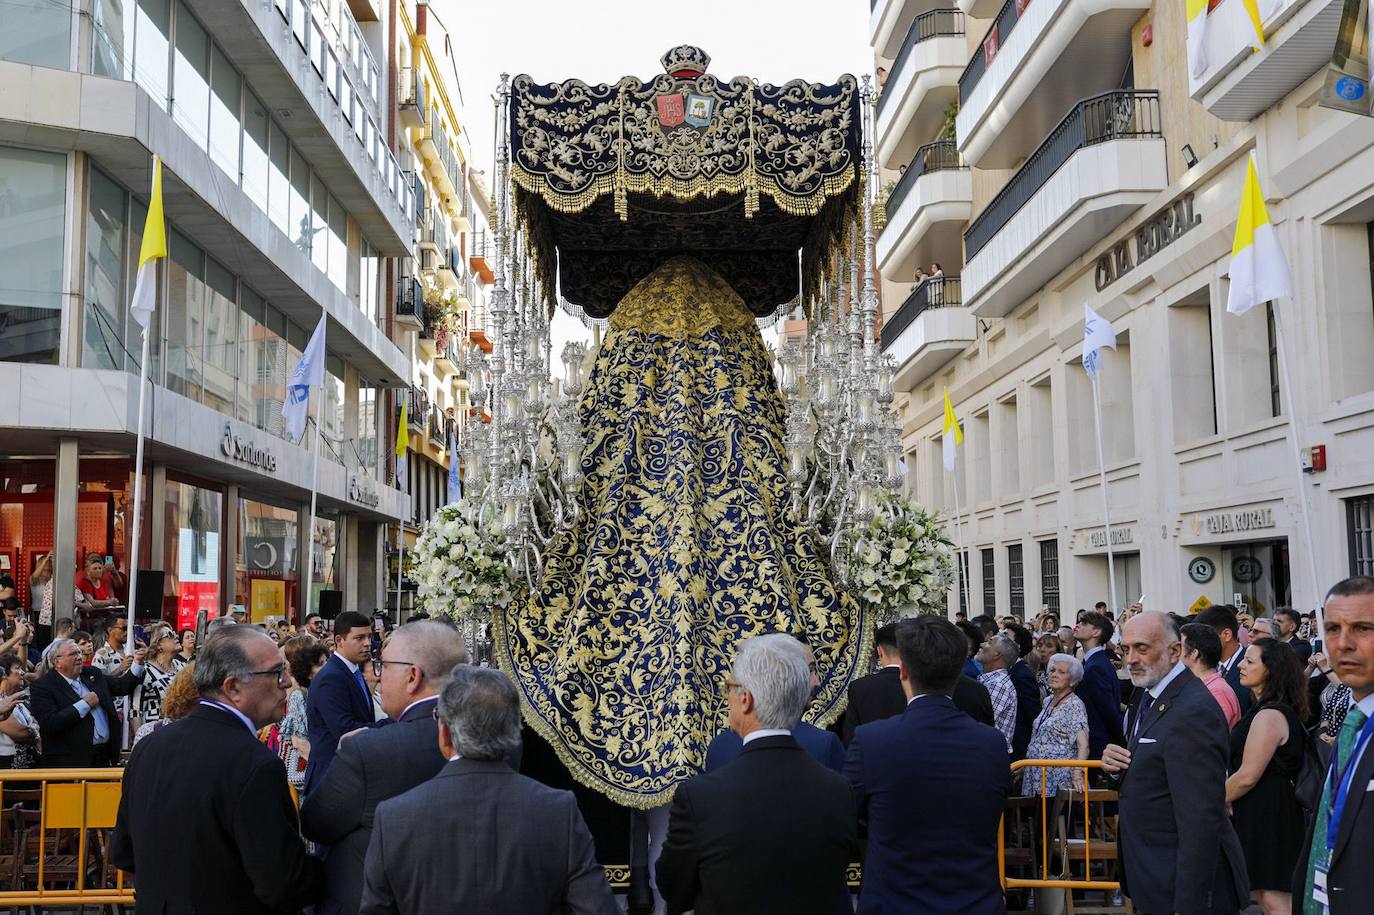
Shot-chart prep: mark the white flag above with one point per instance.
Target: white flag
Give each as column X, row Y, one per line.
column 309, row 372
column 1097, row 335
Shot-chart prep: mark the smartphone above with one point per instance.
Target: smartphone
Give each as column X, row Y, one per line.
column 378, row 625
column 109, row 560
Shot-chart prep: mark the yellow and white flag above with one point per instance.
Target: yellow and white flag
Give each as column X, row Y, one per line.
column 402, row 438
column 1253, row 14
column 953, row 435
column 1197, row 35
column 1259, row 271
column 154, row 247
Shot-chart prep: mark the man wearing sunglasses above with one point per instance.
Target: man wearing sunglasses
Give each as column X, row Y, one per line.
column 243, row 854
column 381, row 763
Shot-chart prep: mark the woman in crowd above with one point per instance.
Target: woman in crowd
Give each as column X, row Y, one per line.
column 1060, row 730
column 1046, row 647
column 19, row 731
column 97, row 592
column 86, row 644
column 40, row 591
column 304, row 657
column 1266, row 756
column 158, row 672
column 186, row 648
column 179, row 699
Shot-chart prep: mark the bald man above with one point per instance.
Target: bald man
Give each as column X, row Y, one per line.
column 375, row 764
column 1179, row 852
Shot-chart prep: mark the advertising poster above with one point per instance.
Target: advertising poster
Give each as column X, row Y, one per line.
column 266, row 597
column 197, row 575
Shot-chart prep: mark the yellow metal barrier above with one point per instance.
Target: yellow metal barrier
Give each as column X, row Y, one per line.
column 1045, row 880
column 70, row 799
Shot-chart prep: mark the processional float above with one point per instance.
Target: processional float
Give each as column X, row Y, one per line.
column 624, row 528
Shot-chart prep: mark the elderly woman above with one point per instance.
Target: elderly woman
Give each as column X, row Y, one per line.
column 1060, row 730
column 178, row 700
column 157, row 674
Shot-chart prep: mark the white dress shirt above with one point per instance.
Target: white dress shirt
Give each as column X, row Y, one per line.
column 765, row 732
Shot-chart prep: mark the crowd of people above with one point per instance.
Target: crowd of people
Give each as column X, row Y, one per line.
column 357, row 768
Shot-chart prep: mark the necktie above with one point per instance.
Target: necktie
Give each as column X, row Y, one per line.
column 1345, row 745
column 362, row 685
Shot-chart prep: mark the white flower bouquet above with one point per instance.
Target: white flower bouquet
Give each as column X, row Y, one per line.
column 458, row 568
column 902, row 562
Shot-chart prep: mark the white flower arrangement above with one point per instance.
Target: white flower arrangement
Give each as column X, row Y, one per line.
column 901, row 563
column 457, row 566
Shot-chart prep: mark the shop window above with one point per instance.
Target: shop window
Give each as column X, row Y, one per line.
column 33, row 211
column 191, row 552
column 989, row 581
column 324, row 556
column 1016, row 579
column 1359, row 533
column 1259, row 573
column 265, row 567
column 1049, row 574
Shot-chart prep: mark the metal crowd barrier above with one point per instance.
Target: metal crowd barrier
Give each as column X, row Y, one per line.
column 1079, row 850
column 83, row 803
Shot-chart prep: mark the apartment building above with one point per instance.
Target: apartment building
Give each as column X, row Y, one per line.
column 441, row 298
column 284, row 201
column 1055, row 153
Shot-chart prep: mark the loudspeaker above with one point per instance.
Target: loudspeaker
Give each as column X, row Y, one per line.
column 331, row 602
column 148, row 600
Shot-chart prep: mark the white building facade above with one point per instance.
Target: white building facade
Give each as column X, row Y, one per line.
column 1085, row 166
column 283, row 202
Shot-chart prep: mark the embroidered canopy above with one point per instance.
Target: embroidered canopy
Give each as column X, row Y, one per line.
column 612, row 180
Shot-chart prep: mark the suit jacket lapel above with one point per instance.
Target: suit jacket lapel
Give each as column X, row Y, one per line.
column 1354, row 800
column 1158, row 707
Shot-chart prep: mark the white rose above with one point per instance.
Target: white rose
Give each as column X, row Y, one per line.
column 868, row 577
column 899, row 555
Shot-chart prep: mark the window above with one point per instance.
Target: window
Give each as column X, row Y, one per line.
column 280, row 192
column 369, row 286
column 1191, row 368
column 185, row 316
column 152, row 45
column 255, row 169
column 220, row 361
column 1359, row 516
column 33, row 213
column 963, row 583
column 1042, row 441
column 333, row 409
column 1017, row 579
column 338, row 244
column 1008, row 435
column 102, row 338
column 366, row 446
column 989, row 582
column 36, row 32
column 300, row 202
column 1049, row 574
column 224, row 115
column 191, row 549
column 1275, row 404
column 319, row 224
column 191, row 78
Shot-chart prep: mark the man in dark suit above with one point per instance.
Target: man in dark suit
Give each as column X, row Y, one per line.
column 741, row 839
column 879, row 695
column 75, row 711
column 1290, row 622
column 1179, row 852
column 932, row 783
column 1027, row 690
column 338, row 700
column 1222, row 618
column 206, row 822
column 479, row 837
column 1099, row 689
column 1348, row 882
column 382, row 763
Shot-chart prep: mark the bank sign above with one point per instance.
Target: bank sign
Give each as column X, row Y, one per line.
column 244, row 451
column 1159, row 232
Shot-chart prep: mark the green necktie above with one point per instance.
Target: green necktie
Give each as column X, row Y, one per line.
column 1345, row 745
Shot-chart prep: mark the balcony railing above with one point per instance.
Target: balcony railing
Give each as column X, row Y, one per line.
column 412, row 96
column 410, row 300
column 1117, row 115
column 936, row 292
column 1001, row 27
column 438, row 427
column 448, row 161
column 928, row 25
column 932, row 157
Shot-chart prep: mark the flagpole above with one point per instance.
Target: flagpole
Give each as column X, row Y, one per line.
column 1286, row 391
column 1106, row 507
column 134, row 539
column 401, row 564
column 962, row 556
column 310, row 527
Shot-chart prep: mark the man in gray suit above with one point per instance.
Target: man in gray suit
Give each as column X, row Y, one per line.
column 1179, row 851
column 380, row 763
column 478, row 837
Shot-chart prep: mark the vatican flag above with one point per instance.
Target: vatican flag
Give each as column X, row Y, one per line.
column 953, row 435
column 1253, row 13
column 1197, row 34
column 402, row 439
column 154, row 247
column 1259, row 271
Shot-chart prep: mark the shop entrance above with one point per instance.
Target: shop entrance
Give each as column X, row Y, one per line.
column 1259, row 573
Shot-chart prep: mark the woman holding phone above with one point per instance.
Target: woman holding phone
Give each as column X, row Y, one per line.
column 18, row 729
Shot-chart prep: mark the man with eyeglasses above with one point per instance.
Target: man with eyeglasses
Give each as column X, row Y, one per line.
column 74, row 707
column 382, row 763
column 206, row 821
